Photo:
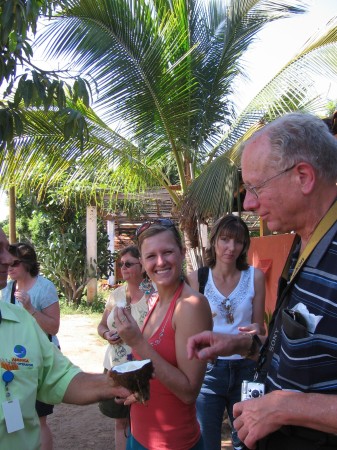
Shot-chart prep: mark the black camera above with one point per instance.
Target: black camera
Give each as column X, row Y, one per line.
column 250, row 389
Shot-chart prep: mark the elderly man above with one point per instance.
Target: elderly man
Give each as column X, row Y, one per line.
column 289, row 168
column 32, row 367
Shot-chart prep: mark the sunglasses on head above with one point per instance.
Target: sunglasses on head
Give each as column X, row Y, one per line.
column 16, row 263
column 127, row 264
column 144, row 226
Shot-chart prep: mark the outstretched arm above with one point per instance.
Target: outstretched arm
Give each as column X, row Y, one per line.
column 208, row 345
column 86, row 388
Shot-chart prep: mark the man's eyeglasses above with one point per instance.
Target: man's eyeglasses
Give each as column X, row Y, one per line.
column 16, row 263
column 253, row 189
column 144, row 226
column 127, row 264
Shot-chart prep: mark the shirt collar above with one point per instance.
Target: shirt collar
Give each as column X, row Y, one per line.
column 9, row 312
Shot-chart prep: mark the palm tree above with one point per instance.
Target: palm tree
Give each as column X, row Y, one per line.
column 165, row 70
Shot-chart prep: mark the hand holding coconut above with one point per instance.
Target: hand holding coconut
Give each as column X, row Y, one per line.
column 134, row 376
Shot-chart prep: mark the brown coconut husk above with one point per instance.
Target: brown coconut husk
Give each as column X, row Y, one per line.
column 135, row 376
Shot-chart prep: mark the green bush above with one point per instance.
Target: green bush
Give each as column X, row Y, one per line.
column 95, row 307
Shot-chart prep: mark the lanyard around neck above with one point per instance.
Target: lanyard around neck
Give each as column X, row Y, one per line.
column 324, row 225
column 269, row 347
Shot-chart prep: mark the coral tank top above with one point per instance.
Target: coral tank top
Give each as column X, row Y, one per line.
column 164, row 422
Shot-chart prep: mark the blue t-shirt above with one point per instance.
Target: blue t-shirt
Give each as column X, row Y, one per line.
column 42, row 294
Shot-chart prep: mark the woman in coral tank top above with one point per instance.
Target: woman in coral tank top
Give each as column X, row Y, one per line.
column 168, row 420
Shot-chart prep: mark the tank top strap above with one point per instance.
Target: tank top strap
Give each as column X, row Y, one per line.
column 171, row 307
column 175, row 298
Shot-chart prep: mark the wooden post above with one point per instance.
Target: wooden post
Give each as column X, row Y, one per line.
column 264, row 230
column 92, row 252
column 12, row 215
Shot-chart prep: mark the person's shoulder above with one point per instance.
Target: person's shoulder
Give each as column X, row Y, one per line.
column 45, row 281
column 258, row 273
column 9, row 284
column 44, row 288
column 191, row 297
column 6, row 291
column 117, row 295
column 194, row 306
column 118, row 291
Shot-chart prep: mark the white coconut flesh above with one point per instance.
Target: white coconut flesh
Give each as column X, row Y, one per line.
column 131, row 366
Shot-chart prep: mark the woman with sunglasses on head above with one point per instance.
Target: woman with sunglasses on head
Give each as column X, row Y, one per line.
column 39, row 297
column 236, row 294
column 133, row 294
column 168, row 420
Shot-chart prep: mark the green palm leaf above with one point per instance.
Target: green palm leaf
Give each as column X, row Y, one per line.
column 292, row 89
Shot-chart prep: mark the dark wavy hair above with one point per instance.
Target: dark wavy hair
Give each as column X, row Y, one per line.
column 27, row 255
column 234, row 228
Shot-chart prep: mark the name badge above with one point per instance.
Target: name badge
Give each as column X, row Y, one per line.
column 13, row 415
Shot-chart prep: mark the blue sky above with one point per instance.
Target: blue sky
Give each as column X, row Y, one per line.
column 275, row 46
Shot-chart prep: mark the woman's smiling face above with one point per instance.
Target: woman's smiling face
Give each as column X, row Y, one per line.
column 162, row 258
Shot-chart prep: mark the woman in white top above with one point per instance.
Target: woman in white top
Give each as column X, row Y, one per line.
column 236, row 294
column 133, row 294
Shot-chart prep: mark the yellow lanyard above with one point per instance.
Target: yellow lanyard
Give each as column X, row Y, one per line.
column 324, row 225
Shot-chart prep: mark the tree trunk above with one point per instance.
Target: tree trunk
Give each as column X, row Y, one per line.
column 12, row 216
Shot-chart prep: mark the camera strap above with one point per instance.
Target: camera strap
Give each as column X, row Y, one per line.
column 202, row 278
column 323, row 234
column 13, row 292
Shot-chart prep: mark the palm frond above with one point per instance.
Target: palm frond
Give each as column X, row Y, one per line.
column 292, row 89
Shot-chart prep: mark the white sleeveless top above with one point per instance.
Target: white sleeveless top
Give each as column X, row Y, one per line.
column 241, row 301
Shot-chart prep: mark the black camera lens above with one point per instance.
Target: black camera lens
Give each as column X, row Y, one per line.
column 255, row 393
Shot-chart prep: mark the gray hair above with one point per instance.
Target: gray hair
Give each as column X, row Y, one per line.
column 299, row 137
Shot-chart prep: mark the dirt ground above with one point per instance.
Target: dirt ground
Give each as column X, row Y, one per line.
column 84, row 427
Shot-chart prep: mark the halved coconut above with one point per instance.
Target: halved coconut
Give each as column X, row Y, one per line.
column 135, row 376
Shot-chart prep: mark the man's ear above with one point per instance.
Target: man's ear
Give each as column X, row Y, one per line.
column 306, row 177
